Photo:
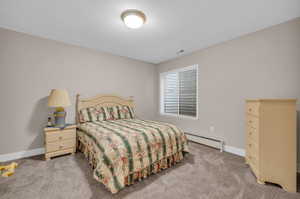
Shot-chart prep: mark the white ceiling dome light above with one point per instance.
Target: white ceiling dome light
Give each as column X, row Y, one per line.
column 133, row 18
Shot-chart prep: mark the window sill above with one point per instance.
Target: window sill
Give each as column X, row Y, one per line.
column 179, row 116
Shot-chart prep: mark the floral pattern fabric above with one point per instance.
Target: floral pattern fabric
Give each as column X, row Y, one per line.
column 99, row 113
column 123, row 151
column 122, row 112
column 95, row 113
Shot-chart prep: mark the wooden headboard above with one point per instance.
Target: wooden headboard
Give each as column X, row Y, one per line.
column 103, row 100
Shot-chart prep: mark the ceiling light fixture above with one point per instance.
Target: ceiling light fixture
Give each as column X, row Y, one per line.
column 133, row 18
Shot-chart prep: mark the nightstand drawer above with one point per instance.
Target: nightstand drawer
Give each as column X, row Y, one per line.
column 54, row 136
column 60, row 145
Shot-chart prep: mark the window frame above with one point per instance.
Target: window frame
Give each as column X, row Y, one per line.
column 161, row 84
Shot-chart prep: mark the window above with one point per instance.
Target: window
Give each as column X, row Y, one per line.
column 179, row 92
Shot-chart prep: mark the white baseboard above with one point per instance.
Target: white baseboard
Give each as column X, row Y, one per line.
column 21, row 154
column 218, row 144
column 234, row 150
column 229, row 149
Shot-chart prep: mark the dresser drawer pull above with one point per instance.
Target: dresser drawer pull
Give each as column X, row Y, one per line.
column 250, row 145
column 250, row 132
column 250, row 121
column 250, row 109
column 61, row 146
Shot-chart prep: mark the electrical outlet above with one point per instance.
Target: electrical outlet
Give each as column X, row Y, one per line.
column 211, row 129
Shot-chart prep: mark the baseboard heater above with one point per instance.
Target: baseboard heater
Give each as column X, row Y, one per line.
column 212, row 142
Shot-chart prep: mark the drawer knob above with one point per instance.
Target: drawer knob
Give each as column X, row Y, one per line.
column 250, row 145
column 61, row 146
column 250, row 109
column 250, row 121
column 60, row 137
column 250, row 133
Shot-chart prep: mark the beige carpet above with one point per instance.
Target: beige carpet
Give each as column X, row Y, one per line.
column 205, row 174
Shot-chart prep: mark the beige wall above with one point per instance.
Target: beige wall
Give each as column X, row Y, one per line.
column 265, row 64
column 31, row 66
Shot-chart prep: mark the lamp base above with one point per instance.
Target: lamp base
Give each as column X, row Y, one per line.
column 60, row 119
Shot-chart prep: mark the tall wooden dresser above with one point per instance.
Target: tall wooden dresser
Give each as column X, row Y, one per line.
column 271, row 141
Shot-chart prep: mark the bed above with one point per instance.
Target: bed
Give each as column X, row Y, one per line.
column 122, row 148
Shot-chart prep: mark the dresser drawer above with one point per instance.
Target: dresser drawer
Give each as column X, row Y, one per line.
column 60, row 135
column 60, row 145
column 253, row 148
column 253, row 162
column 252, row 108
column 252, row 134
column 254, row 168
column 253, row 155
column 252, row 122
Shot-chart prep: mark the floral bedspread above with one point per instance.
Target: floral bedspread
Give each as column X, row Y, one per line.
column 123, row 151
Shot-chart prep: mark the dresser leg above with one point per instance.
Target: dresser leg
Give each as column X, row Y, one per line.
column 47, row 158
column 259, row 181
column 290, row 188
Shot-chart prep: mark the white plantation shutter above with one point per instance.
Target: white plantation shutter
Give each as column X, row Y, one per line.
column 188, row 92
column 179, row 92
column 171, row 93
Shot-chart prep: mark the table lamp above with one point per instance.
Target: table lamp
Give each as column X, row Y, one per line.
column 59, row 99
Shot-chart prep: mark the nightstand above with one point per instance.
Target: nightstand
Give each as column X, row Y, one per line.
column 60, row 141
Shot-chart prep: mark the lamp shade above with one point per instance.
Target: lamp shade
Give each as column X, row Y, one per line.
column 59, row 98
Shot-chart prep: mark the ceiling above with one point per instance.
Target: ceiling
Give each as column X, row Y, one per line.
column 171, row 25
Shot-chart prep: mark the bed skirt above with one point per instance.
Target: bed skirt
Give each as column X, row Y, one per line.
column 155, row 167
